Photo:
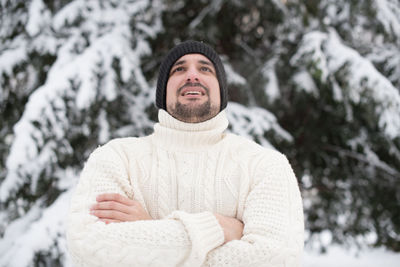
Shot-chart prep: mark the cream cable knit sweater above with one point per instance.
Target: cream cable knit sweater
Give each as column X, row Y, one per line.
column 182, row 174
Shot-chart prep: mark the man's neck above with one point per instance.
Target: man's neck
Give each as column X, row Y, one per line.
column 174, row 134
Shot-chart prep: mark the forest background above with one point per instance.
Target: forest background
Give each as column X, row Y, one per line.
column 318, row 80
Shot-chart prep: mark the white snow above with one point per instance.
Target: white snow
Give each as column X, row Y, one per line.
column 232, row 76
column 329, row 54
column 272, row 86
column 388, row 55
column 368, row 155
column 80, row 66
column 154, row 29
column 254, row 122
column 104, row 133
column 351, row 257
column 38, row 17
column 305, row 82
column 36, row 231
column 12, row 56
column 387, row 14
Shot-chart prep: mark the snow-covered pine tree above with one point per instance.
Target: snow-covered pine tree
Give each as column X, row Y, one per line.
column 72, row 79
column 75, row 74
column 91, row 90
column 347, row 71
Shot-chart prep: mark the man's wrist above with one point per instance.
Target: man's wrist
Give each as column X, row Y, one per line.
column 232, row 227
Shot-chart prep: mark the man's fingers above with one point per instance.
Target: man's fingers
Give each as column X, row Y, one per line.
column 111, row 205
column 114, row 197
column 115, row 207
column 110, row 215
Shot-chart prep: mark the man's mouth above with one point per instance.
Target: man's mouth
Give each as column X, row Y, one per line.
column 192, row 93
column 193, row 90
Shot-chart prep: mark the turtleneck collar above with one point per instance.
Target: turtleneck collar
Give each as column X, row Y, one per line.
column 171, row 133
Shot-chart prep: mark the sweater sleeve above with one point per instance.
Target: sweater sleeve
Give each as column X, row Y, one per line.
column 182, row 239
column 273, row 221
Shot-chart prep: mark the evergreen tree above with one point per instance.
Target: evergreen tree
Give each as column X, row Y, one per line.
column 317, row 80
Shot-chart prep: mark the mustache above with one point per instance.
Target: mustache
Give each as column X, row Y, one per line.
column 189, row 84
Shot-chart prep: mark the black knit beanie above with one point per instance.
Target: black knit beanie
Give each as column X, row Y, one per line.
column 189, row 47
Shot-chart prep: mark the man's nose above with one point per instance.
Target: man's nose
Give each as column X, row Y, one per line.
column 192, row 75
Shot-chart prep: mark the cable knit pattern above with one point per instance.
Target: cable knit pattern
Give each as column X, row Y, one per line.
column 182, row 174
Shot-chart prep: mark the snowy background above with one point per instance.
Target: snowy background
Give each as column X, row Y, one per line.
column 316, row 80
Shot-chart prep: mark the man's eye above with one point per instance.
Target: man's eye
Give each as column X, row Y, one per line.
column 177, row 69
column 205, row 69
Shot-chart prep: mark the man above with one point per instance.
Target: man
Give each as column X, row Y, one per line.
column 189, row 194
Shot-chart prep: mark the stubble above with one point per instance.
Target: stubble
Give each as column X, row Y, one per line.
column 192, row 112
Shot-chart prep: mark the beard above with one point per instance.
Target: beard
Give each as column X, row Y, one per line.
column 192, row 112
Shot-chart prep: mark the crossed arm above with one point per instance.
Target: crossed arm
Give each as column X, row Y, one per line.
column 115, row 208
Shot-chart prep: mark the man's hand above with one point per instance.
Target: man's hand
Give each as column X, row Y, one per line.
column 117, row 208
column 233, row 228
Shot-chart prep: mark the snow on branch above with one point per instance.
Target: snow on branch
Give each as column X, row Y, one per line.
column 37, row 231
column 80, row 57
column 326, row 55
column 387, row 14
column 254, row 123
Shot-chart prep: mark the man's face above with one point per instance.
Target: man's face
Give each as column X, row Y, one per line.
column 193, row 93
